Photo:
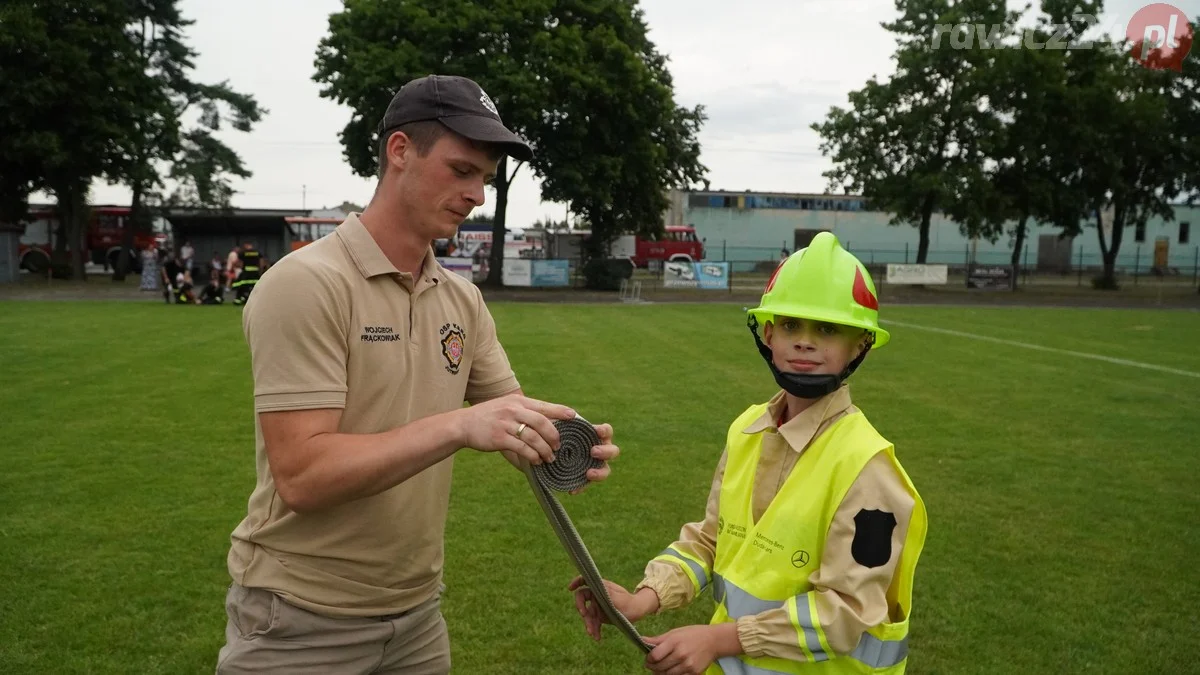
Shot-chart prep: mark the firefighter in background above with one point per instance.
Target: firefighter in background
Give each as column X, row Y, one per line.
column 250, row 261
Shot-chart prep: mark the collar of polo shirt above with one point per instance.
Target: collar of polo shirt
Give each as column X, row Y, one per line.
column 800, row 431
column 370, row 259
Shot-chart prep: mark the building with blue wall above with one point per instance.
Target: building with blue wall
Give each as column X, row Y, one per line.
column 753, row 227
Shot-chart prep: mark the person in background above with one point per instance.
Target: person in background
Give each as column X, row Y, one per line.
column 231, row 268
column 213, row 292
column 251, row 271
column 185, row 293
column 188, row 253
column 150, row 271
column 172, row 276
column 216, row 264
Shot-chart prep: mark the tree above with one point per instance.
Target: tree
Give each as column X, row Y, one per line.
column 161, row 145
column 910, row 144
column 68, row 98
column 1132, row 151
column 558, row 70
column 635, row 140
column 1025, row 90
column 100, row 89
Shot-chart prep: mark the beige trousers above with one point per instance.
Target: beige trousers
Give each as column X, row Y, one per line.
column 265, row 634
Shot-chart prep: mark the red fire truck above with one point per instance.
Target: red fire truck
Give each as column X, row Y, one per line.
column 104, row 235
column 678, row 243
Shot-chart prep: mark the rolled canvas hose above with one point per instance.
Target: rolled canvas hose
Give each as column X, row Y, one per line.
column 568, row 472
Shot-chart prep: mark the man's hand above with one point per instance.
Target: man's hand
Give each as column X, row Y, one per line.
column 606, row 451
column 513, row 424
column 634, row 607
column 692, row 649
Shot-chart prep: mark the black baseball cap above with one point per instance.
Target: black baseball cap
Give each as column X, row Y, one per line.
column 460, row 104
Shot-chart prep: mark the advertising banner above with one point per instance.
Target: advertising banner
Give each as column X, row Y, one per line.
column 517, row 272
column 551, row 273
column 991, row 277
column 709, row 276
column 916, row 274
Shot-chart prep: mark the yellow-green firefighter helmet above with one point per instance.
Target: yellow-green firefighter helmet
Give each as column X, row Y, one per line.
column 823, row 282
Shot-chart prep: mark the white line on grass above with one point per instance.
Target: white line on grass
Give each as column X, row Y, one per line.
column 1054, row 350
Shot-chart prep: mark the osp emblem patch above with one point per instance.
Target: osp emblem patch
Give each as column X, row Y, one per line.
column 454, row 344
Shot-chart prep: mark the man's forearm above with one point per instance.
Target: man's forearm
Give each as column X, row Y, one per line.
column 346, row 467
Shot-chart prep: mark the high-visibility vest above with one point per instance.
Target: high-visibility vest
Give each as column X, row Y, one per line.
column 767, row 565
column 250, row 268
column 250, row 260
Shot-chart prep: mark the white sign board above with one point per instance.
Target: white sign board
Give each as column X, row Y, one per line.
column 460, row 266
column 916, row 274
column 517, row 272
column 625, row 246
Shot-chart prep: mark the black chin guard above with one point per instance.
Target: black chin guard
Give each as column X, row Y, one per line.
column 807, row 386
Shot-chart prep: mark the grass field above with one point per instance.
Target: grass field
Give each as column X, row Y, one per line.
column 1062, row 491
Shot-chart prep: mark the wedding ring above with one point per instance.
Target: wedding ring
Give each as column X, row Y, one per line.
column 520, row 429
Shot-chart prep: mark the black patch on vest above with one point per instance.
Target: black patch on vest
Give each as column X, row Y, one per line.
column 872, row 545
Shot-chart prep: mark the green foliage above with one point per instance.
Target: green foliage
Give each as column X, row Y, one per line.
column 102, row 89
column 1060, row 134
column 1131, row 153
column 911, row 143
column 165, row 145
column 1026, row 92
column 68, row 100
column 578, row 78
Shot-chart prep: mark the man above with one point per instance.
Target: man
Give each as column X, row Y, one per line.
column 251, row 271
column 363, row 350
column 172, row 278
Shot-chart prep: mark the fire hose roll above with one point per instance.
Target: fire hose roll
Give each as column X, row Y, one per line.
column 568, row 472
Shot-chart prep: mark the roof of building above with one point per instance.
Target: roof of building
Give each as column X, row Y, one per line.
column 232, row 220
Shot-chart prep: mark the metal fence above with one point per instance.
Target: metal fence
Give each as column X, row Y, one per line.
column 1132, row 263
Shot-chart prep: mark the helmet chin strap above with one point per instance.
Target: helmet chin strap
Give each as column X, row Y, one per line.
column 803, row 385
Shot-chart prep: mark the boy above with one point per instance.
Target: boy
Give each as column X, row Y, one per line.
column 812, row 529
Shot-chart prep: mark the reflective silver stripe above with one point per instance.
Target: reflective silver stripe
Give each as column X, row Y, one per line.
column 880, row 653
column 739, row 603
column 734, row 666
column 701, row 575
column 811, row 639
column 871, row 650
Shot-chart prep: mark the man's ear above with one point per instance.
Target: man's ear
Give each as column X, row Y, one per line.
column 398, row 147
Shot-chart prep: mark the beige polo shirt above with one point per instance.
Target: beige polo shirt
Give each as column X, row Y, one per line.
column 335, row 325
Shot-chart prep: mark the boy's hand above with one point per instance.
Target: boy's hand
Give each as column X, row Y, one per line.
column 634, row 607
column 692, row 649
column 604, row 452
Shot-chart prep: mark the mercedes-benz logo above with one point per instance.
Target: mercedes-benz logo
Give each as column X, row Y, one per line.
column 800, row 558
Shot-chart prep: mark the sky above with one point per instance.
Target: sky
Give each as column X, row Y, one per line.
column 765, row 70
